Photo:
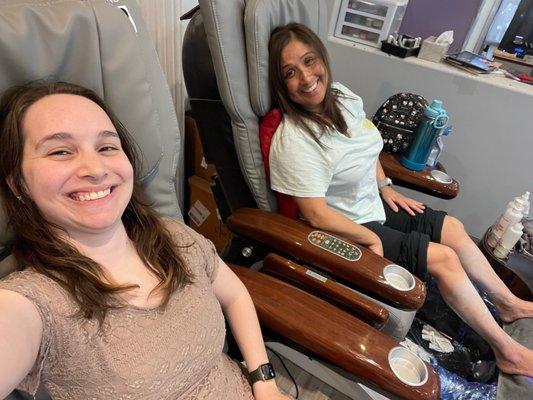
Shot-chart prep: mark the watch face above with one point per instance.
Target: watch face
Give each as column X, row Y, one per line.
column 268, row 371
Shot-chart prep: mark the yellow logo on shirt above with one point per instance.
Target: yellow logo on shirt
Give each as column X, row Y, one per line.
column 367, row 124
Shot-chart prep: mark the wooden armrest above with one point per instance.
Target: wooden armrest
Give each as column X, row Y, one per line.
column 291, row 237
column 421, row 181
column 330, row 333
column 326, row 288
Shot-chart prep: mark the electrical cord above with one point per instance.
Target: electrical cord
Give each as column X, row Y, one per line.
column 288, row 372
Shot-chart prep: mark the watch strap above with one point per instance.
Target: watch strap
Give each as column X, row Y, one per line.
column 265, row 372
column 384, row 182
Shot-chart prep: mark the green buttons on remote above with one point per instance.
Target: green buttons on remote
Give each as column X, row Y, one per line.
column 335, row 245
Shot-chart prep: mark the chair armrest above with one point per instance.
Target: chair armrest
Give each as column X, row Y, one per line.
column 421, row 181
column 326, row 288
column 330, row 333
column 291, row 237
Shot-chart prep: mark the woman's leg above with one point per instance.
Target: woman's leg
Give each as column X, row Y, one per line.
column 480, row 271
column 460, row 294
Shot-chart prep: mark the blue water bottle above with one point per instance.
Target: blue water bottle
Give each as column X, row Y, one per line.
column 427, row 131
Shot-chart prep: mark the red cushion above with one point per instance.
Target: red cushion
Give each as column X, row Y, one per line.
column 267, row 128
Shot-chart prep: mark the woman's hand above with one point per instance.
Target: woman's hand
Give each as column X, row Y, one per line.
column 395, row 199
column 268, row 391
column 375, row 245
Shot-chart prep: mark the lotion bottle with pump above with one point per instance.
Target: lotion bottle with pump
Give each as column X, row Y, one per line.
column 508, row 240
column 512, row 215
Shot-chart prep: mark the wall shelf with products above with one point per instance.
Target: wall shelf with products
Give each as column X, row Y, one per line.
column 367, row 21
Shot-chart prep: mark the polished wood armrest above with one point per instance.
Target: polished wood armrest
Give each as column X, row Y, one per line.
column 330, row 333
column 290, row 237
column 327, row 288
column 421, row 181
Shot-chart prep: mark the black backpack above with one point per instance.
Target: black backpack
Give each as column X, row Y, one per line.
column 397, row 119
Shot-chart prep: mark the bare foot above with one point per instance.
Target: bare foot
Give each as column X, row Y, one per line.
column 519, row 361
column 515, row 309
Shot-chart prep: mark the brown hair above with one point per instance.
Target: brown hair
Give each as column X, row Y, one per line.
column 37, row 243
column 331, row 116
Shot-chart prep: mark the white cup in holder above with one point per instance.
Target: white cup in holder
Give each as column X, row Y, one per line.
column 408, row 367
column 441, row 177
column 399, row 277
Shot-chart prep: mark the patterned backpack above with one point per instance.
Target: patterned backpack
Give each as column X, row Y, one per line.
column 397, row 119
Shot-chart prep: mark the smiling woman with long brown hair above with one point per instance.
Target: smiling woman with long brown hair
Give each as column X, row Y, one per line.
column 112, row 301
column 325, row 154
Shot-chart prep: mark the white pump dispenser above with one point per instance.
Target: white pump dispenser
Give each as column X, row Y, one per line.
column 512, row 215
column 522, row 201
column 526, row 204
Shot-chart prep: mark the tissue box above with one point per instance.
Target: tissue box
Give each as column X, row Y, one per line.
column 432, row 51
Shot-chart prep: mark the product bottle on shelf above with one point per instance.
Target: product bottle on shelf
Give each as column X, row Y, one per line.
column 524, row 200
column 512, row 215
column 508, row 240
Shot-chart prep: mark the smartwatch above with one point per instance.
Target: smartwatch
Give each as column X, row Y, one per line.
column 384, row 182
column 265, row 372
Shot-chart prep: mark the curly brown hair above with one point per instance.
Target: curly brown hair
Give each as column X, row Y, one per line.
column 37, row 243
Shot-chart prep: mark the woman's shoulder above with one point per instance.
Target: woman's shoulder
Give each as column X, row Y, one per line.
column 290, row 132
column 30, row 278
column 183, row 234
column 292, row 140
column 344, row 93
column 199, row 253
column 352, row 103
column 44, row 292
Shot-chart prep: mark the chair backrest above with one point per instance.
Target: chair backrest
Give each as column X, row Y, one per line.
column 237, row 33
column 103, row 45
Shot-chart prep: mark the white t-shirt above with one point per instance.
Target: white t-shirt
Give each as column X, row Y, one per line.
column 343, row 170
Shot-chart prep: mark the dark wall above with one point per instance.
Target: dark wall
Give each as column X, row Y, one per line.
column 432, row 17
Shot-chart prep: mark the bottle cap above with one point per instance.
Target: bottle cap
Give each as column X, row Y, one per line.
column 522, row 199
column 435, row 109
column 437, row 113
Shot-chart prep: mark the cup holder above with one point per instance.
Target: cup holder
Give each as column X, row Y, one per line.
column 441, row 177
column 408, row 367
column 399, row 277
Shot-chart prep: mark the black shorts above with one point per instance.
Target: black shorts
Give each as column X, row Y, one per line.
column 406, row 238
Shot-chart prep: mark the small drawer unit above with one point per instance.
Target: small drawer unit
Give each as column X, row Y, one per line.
column 368, row 22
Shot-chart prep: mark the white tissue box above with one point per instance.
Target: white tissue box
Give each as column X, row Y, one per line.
column 432, row 51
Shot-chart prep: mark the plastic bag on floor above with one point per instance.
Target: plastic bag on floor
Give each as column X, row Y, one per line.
column 438, row 314
column 461, row 360
column 453, row 387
